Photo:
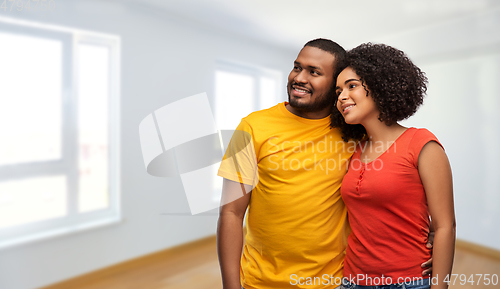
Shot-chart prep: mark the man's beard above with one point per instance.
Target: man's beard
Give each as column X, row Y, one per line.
column 320, row 103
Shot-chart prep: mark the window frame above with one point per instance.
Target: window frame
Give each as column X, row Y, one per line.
column 67, row 165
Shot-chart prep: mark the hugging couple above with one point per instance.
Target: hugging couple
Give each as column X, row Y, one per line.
column 366, row 223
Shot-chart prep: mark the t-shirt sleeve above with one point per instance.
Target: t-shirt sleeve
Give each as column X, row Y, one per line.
column 239, row 163
column 419, row 140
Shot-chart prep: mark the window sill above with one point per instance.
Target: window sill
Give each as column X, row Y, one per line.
column 55, row 233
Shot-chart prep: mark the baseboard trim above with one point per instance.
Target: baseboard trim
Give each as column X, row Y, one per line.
column 478, row 249
column 130, row 264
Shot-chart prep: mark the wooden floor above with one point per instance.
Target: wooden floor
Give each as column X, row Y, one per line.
column 468, row 263
column 196, row 267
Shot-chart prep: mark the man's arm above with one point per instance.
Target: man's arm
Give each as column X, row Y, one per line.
column 230, row 231
column 427, row 265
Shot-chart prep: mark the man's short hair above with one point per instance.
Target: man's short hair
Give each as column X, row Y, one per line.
column 326, row 45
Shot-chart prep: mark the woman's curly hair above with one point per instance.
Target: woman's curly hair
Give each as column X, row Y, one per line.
column 397, row 85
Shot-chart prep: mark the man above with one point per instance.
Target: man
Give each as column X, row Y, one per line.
column 286, row 165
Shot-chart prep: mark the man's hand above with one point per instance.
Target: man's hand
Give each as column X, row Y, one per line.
column 427, row 265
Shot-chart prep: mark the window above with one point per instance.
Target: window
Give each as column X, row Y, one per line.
column 59, row 130
column 239, row 91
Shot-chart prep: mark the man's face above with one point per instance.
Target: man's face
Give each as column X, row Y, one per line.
column 310, row 83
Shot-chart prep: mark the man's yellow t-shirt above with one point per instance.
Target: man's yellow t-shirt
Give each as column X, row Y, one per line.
column 296, row 220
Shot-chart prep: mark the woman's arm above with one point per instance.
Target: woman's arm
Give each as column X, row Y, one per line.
column 435, row 173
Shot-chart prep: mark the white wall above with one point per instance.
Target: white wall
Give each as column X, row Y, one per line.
column 462, row 61
column 163, row 59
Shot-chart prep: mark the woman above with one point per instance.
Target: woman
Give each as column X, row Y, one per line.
column 396, row 177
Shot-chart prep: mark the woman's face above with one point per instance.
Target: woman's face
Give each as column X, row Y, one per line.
column 353, row 102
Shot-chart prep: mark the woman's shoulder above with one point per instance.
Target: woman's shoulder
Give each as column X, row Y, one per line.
column 422, row 134
column 419, row 138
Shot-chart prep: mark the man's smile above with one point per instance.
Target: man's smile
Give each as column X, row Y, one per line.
column 300, row 91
